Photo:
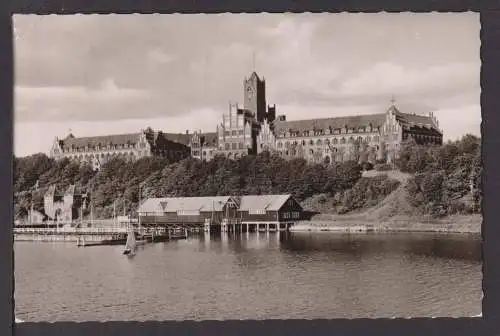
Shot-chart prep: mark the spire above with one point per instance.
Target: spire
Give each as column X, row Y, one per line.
column 253, row 60
column 393, row 99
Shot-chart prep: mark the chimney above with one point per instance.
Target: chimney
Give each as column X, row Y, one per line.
column 187, row 132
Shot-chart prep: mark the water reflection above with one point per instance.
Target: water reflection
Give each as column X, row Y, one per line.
column 253, row 276
column 464, row 247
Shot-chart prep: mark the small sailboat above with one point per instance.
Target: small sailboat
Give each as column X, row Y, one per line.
column 130, row 245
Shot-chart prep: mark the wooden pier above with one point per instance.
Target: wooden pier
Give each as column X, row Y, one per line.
column 94, row 236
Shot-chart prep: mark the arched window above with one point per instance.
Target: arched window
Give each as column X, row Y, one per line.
column 335, row 141
column 319, row 142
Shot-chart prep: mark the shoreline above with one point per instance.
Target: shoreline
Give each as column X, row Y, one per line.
column 464, row 224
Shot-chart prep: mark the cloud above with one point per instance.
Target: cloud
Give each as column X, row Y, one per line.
column 40, row 103
column 159, row 57
column 385, row 78
column 458, row 121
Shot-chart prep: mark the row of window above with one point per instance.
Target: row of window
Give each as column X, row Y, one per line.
column 204, row 153
column 73, row 149
column 293, row 214
column 426, row 138
column 328, row 131
column 188, row 213
column 233, row 145
column 256, row 212
column 294, row 152
column 233, row 133
column 334, row 141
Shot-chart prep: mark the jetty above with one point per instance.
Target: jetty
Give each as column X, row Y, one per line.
column 95, row 236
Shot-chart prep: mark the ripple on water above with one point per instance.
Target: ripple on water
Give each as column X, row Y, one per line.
column 255, row 277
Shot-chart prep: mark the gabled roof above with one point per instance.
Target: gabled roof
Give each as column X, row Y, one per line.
column 263, row 202
column 422, row 124
column 210, row 138
column 181, row 138
column 103, row 140
column 375, row 120
column 174, row 204
column 120, row 139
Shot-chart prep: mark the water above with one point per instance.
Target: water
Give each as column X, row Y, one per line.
column 259, row 276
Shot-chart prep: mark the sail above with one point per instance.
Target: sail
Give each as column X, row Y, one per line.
column 130, row 244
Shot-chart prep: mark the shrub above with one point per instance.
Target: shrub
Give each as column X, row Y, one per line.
column 383, row 167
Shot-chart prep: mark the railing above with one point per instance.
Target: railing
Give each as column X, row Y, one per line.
column 91, row 230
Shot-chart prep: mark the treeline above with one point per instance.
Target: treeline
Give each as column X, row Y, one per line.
column 446, row 179
column 119, row 185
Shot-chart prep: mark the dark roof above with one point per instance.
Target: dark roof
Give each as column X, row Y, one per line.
column 254, row 74
column 376, row 120
column 210, row 138
column 417, row 123
column 120, row 139
column 103, row 140
column 181, row 138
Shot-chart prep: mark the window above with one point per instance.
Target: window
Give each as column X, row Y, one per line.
column 256, row 212
column 240, row 145
column 228, row 146
column 295, row 214
column 188, row 213
column 286, row 215
column 233, row 145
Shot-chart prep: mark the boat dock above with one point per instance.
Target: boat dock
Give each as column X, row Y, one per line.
column 94, row 236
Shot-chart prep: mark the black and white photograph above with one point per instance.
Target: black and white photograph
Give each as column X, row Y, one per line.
column 172, row 167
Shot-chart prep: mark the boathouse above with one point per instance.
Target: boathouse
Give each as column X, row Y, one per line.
column 187, row 210
column 271, row 211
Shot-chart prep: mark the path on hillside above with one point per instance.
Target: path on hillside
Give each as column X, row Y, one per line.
column 392, row 205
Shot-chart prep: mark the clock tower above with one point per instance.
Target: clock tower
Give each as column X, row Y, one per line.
column 255, row 96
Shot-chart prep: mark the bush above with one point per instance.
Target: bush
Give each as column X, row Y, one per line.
column 368, row 192
column 367, row 166
column 383, row 167
column 119, row 180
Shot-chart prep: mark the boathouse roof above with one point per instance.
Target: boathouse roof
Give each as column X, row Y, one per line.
column 214, row 203
column 263, row 202
column 174, row 204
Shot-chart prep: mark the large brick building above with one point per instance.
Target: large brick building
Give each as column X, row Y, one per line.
column 98, row 150
column 256, row 128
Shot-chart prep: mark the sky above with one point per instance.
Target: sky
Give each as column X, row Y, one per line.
column 110, row 74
